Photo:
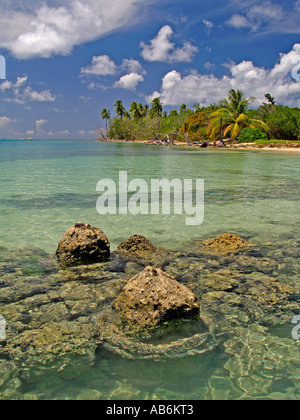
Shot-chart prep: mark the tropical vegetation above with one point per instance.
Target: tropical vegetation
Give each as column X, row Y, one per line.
column 251, row 135
column 232, row 118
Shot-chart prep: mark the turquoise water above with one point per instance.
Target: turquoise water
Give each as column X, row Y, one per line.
column 47, row 186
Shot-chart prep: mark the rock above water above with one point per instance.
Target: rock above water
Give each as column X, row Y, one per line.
column 83, row 243
column 153, row 297
column 226, row 243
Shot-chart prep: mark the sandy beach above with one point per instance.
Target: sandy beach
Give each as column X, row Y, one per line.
column 292, row 148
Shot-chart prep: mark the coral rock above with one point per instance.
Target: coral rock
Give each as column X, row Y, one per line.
column 83, row 244
column 226, row 243
column 153, row 297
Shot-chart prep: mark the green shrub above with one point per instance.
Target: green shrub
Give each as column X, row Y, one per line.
column 250, row 135
column 283, row 123
column 121, row 129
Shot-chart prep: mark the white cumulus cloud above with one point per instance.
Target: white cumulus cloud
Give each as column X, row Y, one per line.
column 20, row 93
column 129, row 81
column 104, row 66
column 254, row 81
column 161, row 48
column 133, row 66
column 238, row 21
column 5, row 121
column 101, row 66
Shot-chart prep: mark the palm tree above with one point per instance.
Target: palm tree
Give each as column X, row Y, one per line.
column 236, row 103
column 173, row 113
column 127, row 115
column 183, row 108
column 141, row 109
column 105, row 114
column 135, row 110
column 232, row 116
column 145, row 110
column 156, row 108
column 156, row 114
column 120, row 110
column 270, row 99
column 267, row 108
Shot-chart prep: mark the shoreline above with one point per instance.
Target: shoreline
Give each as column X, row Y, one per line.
column 242, row 146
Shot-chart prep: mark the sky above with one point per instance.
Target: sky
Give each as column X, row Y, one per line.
column 67, row 60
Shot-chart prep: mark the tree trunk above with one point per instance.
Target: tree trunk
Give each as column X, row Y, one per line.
column 221, row 132
column 158, row 129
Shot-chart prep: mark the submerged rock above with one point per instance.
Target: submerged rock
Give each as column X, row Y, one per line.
column 140, row 250
column 66, row 348
column 136, row 246
column 153, row 297
column 226, row 243
column 83, row 243
column 57, row 321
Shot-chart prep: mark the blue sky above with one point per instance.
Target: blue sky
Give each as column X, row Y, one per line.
column 67, row 60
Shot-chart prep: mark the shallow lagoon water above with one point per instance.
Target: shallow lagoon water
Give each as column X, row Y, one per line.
column 47, row 186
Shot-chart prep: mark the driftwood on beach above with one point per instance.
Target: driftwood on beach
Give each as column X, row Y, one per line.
column 229, row 144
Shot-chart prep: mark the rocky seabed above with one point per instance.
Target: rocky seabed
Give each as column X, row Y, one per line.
column 63, row 318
